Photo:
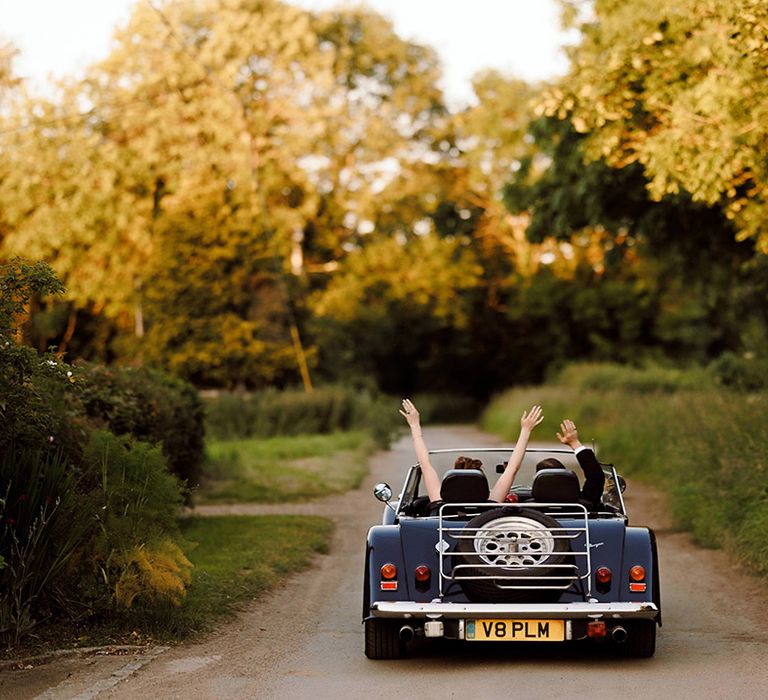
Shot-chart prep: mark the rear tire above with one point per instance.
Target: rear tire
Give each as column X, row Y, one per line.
column 382, row 639
column 641, row 639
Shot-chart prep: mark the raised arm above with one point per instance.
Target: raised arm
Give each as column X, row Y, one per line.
column 428, row 473
column 594, row 478
column 528, row 422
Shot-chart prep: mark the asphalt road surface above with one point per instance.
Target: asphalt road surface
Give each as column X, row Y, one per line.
column 306, row 640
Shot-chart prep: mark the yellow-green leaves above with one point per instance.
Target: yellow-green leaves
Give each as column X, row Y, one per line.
column 679, row 86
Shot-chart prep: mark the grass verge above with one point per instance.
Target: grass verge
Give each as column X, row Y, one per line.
column 279, row 469
column 236, row 559
column 707, row 448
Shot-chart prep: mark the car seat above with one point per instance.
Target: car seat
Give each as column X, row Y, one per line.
column 556, row 486
column 462, row 486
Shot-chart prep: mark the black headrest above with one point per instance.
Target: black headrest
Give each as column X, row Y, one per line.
column 556, row 486
column 464, row 486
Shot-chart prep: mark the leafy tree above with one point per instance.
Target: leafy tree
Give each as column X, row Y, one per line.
column 679, row 88
column 683, row 252
column 228, row 144
column 394, row 309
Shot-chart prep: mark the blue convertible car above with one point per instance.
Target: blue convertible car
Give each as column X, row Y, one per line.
column 544, row 567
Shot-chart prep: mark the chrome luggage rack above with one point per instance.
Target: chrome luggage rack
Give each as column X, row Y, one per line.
column 490, row 546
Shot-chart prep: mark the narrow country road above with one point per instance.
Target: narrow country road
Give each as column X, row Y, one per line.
column 306, row 640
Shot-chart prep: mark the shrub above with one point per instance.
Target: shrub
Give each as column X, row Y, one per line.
column 135, row 502
column 647, row 379
column 745, row 372
column 40, row 530
column 294, row 412
column 88, row 520
column 152, row 407
column 156, row 574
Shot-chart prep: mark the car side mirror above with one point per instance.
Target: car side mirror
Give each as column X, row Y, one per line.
column 622, row 484
column 383, row 492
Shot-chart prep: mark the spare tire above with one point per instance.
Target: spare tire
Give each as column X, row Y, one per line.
column 514, row 542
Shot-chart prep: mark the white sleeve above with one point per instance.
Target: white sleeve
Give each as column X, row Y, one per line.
column 579, row 449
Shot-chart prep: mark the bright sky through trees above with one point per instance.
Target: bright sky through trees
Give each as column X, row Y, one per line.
column 517, row 36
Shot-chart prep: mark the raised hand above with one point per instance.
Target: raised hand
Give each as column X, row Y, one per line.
column 410, row 413
column 569, row 435
column 531, row 418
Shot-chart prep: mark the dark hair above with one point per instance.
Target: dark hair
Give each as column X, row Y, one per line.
column 550, row 463
column 467, row 463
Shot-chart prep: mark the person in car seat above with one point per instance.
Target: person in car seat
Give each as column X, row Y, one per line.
column 594, row 478
column 528, row 421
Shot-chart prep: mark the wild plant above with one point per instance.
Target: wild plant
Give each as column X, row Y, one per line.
column 38, row 537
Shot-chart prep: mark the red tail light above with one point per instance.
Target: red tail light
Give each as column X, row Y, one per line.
column 603, row 575
column 603, row 578
column 422, row 572
column 637, row 573
column 388, row 572
column 423, row 575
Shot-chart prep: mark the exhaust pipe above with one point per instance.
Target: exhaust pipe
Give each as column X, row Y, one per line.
column 406, row 633
column 619, row 634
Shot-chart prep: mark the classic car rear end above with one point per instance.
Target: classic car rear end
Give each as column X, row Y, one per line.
column 533, row 572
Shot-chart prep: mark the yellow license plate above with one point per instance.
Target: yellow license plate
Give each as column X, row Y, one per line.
column 514, row 630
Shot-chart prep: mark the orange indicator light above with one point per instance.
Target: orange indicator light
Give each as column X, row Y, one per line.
column 388, row 571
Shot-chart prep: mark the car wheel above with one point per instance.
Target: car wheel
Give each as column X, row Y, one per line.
column 641, row 639
column 382, row 639
column 516, row 542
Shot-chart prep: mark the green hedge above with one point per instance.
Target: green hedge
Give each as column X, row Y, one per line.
column 648, row 379
column 88, row 537
column 294, row 412
column 88, row 519
column 707, row 448
column 152, row 407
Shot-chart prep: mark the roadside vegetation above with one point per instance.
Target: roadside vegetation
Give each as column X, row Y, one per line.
column 704, row 443
column 95, row 466
column 234, row 560
column 271, row 446
column 279, row 469
column 328, row 409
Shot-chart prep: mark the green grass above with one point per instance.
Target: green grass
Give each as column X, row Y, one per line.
column 707, row 448
column 279, row 469
column 236, row 559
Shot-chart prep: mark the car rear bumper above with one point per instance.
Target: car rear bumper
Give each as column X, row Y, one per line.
column 565, row 611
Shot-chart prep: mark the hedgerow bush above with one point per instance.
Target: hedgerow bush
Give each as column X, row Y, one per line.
column 88, row 519
column 746, row 372
column 135, row 503
column 707, row 448
column 293, row 412
column 152, row 407
column 40, row 530
column 647, row 379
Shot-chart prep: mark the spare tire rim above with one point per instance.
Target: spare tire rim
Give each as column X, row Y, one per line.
column 514, row 542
